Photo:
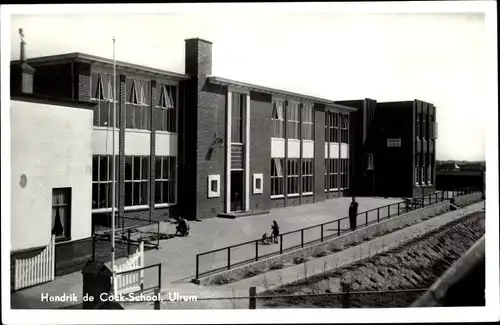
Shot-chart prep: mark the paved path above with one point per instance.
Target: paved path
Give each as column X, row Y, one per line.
column 177, row 255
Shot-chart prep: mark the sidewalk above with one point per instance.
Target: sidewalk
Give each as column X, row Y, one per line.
column 178, row 255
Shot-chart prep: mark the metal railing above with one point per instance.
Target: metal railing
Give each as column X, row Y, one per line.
column 253, row 250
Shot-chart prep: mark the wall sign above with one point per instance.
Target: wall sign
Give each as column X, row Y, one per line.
column 393, row 143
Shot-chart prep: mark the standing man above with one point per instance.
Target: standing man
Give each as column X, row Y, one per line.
column 353, row 213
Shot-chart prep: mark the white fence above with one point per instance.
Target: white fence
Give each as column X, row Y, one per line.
column 37, row 269
column 131, row 281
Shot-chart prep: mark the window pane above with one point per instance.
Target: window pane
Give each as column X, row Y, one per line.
column 166, row 166
column 96, row 115
column 145, row 168
column 129, row 116
column 165, row 191
column 172, row 168
column 158, row 167
column 136, row 193
column 145, row 117
column 144, row 198
column 171, row 191
column 103, row 195
column 95, row 198
column 158, row 118
column 139, row 124
column 95, row 168
column 128, row 168
column 103, row 171
column 137, row 168
column 158, row 196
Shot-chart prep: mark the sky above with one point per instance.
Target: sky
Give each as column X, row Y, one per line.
column 435, row 57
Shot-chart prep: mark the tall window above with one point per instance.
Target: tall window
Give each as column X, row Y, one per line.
column 332, row 126
column 292, row 130
column 102, row 181
column 166, row 113
column 344, row 173
column 165, row 186
column 292, row 177
column 237, row 113
column 102, row 92
column 61, row 213
column 344, row 128
column 307, row 176
column 136, row 181
column 277, row 176
column 307, row 122
column 278, row 119
column 137, row 110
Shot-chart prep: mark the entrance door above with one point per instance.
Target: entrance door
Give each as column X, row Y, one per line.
column 236, row 190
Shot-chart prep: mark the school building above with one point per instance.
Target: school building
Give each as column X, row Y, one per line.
column 195, row 144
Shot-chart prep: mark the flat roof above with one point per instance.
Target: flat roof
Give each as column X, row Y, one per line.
column 274, row 91
column 51, row 100
column 82, row 57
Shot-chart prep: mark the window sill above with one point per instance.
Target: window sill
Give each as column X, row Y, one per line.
column 137, row 207
column 278, row 139
column 281, row 196
column 165, row 205
column 137, row 130
column 166, row 132
column 62, row 241
column 307, row 194
column 293, row 195
column 307, row 140
column 103, row 210
column 105, row 128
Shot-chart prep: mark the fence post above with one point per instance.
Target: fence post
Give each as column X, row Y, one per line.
column 158, row 235
column 128, row 242
column 399, row 212
column 388, row 211
column 281, row 244
column 157, row 305
column 302, row 237
column 252, row 304
column 378, row 214
column 256, row 250
column 338, row 227
column 197, row 265
column 229, row 258
column 366, row 219
column 346, row 301
column 321, row 232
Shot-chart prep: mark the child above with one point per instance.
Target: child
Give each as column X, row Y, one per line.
column 276, row 231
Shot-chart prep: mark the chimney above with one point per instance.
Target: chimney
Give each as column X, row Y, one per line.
column 198, row 61
column 25, row 70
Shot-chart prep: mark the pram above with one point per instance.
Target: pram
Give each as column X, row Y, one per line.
column 183, row 232
column 269, row 239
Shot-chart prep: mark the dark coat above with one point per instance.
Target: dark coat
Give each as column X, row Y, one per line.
column 353, row 209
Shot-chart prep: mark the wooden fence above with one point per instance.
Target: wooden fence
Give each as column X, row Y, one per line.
column 130, row 281
column 37, row 269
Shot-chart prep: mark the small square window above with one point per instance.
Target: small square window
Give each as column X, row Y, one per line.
column 258, row 180
column 213, row 186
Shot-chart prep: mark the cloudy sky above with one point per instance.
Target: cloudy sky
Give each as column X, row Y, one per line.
column 438, row 58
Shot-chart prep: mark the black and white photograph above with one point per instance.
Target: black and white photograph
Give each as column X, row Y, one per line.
column 225, row 159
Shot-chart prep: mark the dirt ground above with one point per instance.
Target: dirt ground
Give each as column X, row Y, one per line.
column 416, row 265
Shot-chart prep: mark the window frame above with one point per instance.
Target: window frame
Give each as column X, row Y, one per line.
column 307, row 176
column 133, row 182
column 108, row 182
column 140, row 108
column 307, row 128
column 163, row 112
column 68, row 207
column 278, row 120
column 293, row 119
column 171, row 179
column 277, row 178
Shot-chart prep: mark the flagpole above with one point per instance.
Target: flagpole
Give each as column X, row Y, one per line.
column 113, row 191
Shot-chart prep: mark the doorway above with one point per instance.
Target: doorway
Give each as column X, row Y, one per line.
column 237, row 190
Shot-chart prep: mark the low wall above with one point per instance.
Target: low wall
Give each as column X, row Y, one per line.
column 338, row 243
column 468, row 199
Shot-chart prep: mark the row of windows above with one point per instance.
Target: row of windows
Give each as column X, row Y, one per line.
column 336, row 127
column 293, row 120
column 137, row 109
column 424, row 175
column 137, row 170
column 333, row 169
column 295, row 183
